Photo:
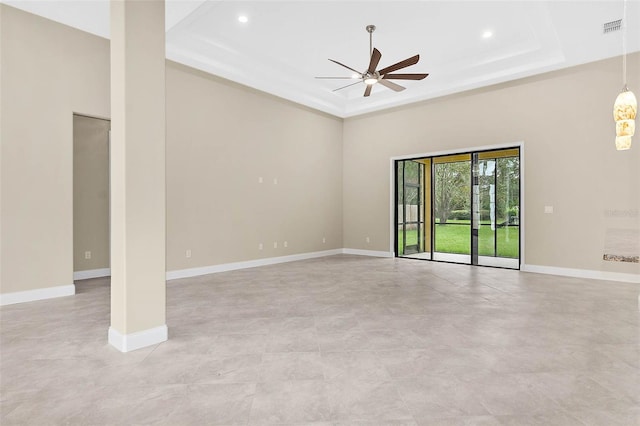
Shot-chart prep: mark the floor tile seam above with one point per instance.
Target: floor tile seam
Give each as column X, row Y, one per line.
column 406, row 405
column 289, row 352
column 267, row 351
column 271, row 333
column 561, row 405
column 253, row 398
column 349, row 350
column 611, row 390
column 4, row 414
column 359, row 351
column 205, row 382
column 423, row 376
column 532, row 413
column 570, row 413
column 323, row 333
column 557, row 370
column 19, row 400
column 634, row 367
column 289, row 380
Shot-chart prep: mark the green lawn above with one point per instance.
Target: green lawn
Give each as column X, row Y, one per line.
column 452, row 238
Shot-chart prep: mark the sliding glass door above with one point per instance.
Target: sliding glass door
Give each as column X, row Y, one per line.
column 465, row 206
column 498, row 208
column 411, row 208
column 452, row 225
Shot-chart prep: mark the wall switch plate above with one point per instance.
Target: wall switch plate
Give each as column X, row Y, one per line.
column 286, row 244
column 260, row 246
column 368, row 240
column 324, row 240
column 275, row 181
column 548, row 209
column 275, row 244
column 260, row 180
column 87, row 255
column 187, row 253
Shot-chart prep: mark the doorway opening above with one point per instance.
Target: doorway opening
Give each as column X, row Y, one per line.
column 91, row 239
column 462, row 208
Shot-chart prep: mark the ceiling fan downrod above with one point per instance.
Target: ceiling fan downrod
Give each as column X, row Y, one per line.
column 370, row 29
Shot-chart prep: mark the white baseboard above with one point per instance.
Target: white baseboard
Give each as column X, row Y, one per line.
column 582, row 273
column 372, row 253
column 225, row 267
column 141, row 339
column 91, row 273
column 37, row 294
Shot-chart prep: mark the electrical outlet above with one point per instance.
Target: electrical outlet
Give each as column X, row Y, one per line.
column 368, row 240
column 275, row 181
column 324, row 240
column 260, row 180
column 187, row 254
column 87, row 255
column 286, row 244
column 275, row 244
column 260, row 246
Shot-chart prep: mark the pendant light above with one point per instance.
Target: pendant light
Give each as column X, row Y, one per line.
column 625, row 107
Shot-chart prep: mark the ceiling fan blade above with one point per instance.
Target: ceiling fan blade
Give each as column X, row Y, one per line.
column 348, row 85
column 402, row 64
column 367, row 91
column 375, row 59
column 334, row 78
column 343, row 65
column 405, row 76
column 391, row 85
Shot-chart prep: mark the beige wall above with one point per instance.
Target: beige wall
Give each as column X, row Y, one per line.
column 333, row 177
column 90, row 192
column 221, row 138
column 565, row 120
column 49, row 71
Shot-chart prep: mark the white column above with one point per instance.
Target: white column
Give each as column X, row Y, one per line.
column 138, row 284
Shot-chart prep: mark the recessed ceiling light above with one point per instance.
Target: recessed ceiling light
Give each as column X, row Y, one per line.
column 487, row 34
column 243, row 19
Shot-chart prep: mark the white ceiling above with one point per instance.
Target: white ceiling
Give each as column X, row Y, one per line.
column 285, row 44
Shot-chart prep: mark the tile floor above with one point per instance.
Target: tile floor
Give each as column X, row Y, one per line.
column 342, row 340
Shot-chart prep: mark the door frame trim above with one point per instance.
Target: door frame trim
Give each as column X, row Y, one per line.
column 392, row 182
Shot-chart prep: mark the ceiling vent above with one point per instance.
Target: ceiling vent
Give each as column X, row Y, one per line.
column 609, row 27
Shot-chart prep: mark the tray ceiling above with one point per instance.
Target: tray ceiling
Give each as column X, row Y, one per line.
column 285, row 44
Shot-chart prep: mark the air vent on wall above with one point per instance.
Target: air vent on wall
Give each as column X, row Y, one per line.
column 612, row 26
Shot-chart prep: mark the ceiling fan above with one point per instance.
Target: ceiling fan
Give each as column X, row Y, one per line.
column 372, row 76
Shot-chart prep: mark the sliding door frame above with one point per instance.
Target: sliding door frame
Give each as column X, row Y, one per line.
column 393, row 182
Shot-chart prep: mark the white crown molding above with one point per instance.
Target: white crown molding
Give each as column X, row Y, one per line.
column 141, row 339
column 37, row 294
column 91, row 273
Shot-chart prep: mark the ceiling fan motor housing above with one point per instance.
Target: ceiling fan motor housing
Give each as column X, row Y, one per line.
column 370, row 78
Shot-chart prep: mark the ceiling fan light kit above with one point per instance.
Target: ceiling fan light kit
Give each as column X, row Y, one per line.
column 371, row 79
column 372, row 76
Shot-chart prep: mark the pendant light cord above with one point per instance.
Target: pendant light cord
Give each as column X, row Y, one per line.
column 624, row 45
